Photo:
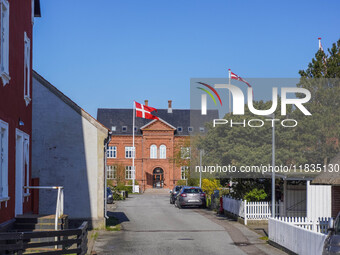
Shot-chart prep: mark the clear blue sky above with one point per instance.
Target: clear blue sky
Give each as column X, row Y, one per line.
column 107, row 53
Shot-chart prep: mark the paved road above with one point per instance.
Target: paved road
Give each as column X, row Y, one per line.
column 151, row 225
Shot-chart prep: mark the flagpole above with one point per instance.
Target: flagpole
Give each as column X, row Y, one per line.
column 133, row 148
column 229, row 92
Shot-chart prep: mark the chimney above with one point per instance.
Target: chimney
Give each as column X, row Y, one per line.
column 146, row 102
column 169, row 106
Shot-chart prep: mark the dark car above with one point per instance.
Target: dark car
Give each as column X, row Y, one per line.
column 332, row 242
column 173, row 193
column 191, row 196
column 109, row 196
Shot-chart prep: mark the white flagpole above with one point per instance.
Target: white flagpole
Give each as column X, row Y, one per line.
column 229, row 93
column 133, row 148
column 320, row 46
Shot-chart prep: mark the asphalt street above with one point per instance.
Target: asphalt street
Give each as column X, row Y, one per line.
column 151, row 225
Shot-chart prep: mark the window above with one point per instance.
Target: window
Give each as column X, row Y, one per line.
column 27, row 69
column 184, row 171
column 32, row 13
column 111, row 152
column 185, row 152
column 202, row 129
column 113, row 128
column 179, row 129
column 136, row 128
column 111, row 172
column 190, row 129
column 124, row 128
column 153, row 151
column 129, row 152
column 4, row 42
column 3, row 160
column 129, row 172
column 162, row 151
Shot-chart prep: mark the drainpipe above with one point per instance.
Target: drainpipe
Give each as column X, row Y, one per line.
column 106, row 143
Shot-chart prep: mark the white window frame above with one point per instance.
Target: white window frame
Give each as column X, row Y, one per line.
column 184, row 170
column 27, row 69
column 32, row 4
column 129, row 173
column 4, row 42
column 162, row 151
column 185, row 152
column 111, row 152
column 111, row 173
column 130, row 152
column 153, row 151
column 3, row 161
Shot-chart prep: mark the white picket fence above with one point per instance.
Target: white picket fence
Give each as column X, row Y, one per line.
column 295, row 234
column 250, row 210
column 319, row 225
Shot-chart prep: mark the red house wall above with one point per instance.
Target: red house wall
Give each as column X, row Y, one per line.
column 335, row 200
column 12, row 103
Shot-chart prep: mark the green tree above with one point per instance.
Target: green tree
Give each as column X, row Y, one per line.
column 320, row 132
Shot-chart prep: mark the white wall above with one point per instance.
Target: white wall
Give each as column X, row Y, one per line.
column 319, row 201
column 66, row 153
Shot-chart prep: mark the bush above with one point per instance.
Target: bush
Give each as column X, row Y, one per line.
column 209, row 186
column 182, row 182
column 255, row 195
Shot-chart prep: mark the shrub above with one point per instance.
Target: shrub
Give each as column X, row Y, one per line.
column 209, row 186
column 255, row 195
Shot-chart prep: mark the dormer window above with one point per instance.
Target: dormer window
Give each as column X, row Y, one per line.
column 136, row 128
column 124, row 128
column 179, row 129
column 202, row 129
column 113, row 128
column 190, row 129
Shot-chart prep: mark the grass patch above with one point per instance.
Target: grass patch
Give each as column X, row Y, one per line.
column 112, row 224
column 94, row 235
column 265, row 238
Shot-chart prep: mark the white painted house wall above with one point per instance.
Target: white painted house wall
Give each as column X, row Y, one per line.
column 68, row 151
column 319, row 201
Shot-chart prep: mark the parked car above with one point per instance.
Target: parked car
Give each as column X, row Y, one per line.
column 109, row 196
column 173, row 193
column 191, row 196
column 332, row 242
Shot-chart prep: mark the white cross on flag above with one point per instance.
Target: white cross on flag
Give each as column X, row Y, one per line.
column 144, row 111
column 238, row 78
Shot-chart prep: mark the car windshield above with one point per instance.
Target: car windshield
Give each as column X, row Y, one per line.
column 192, row 190
column 178, row 188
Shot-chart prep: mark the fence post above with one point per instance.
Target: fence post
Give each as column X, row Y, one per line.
column 245, row 212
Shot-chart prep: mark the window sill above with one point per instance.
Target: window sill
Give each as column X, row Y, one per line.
column 5, row 78
column 4, row 199
column 27, row 100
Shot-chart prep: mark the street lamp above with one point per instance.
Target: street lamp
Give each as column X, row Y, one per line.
column 273, row 164
column 201, row 155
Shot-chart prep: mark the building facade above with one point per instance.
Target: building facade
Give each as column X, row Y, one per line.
column 68, row 150
column 158, row 145
column 16, row 22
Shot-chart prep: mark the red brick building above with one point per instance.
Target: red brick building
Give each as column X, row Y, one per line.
column 16, row 22
column 157, row 144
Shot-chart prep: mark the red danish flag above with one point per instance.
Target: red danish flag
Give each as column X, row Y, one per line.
column 144, row 111
column 238, row 78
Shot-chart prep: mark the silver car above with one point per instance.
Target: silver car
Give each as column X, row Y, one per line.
column 191, row 196
column 332, row 242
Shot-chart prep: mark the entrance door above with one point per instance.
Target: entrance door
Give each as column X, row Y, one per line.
column 19, row 174
column 21, row 169
column 158, row 178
